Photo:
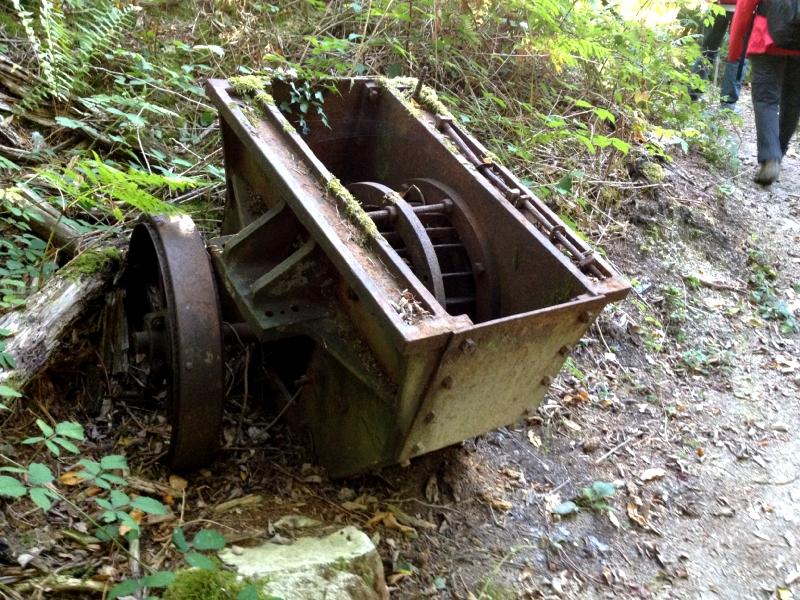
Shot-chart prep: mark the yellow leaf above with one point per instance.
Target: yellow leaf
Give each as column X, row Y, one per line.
column 70, row 478
column 176, row 482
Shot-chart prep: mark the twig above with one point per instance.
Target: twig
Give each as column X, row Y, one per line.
column 136, row 566
column 246, row 394
column 617, row 447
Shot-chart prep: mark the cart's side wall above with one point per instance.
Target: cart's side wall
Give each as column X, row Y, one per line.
column 496, row 373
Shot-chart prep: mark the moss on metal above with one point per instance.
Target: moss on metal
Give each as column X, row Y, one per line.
column 352, row 209
column 254, row 86
column 403, row 88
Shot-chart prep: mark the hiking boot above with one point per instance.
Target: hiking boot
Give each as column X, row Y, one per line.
column 768, row 172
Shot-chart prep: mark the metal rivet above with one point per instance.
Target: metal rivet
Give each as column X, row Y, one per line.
column 447, row 382
column 417, row 449
column 468, row 346
column 547, row 380
column 586, row 316
column 429, row 418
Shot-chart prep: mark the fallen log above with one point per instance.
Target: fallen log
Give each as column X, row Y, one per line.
column 37, row 329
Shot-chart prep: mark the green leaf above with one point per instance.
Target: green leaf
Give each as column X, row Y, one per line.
column 208, row 539
column 603, row 489
column 179, row 539
column 158, row 579
column 3, row 407
column 11, row 487
column 118, row 498
column 66, row 445
column 9, row 392
column 103, row 503
column 100, row 481
column 604, row 115
column 124, row 588
column 601, row 141
column 39, row 474
column 52, row 447
column 113, row 461
column 33, row 440
column 45, row 428
column 248, row 593
column 114, row 478
column 40, row 498
column 566, row 508
column 151, row 506
column 200, row 561
column 109, row 516
column 71, row 429
column 92, row 468
column 621, row 145
column 106, row 533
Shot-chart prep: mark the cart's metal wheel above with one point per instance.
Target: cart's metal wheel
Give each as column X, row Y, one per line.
column 176, row 334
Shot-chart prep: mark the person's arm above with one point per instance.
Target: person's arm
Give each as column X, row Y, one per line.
column 742, row 21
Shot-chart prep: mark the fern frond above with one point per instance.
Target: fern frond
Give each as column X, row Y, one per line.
column 66, row 46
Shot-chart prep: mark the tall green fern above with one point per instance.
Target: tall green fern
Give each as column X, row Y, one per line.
column 95, row 184
column 66, row 44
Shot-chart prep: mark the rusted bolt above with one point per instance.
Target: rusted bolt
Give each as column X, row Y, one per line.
column 564, row 350
column 447, row 383
column 430, row 417
column 547, row 380
column 373, row 94
column 586, row 316
column 468, row 346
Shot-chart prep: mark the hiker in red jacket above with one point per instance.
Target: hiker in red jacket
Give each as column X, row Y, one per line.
column 775, row 79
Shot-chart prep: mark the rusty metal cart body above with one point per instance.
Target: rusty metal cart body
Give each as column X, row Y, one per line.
column 417, row 292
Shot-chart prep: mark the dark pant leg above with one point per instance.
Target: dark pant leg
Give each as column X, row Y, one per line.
column 732, row 78
column 712, row 40
column 790, row 101
column 767, row 82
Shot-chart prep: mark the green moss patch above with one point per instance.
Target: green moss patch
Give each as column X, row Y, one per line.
column 92, row 261
column 252, row 86
column 403, row 89
column 352, row 209
column 202, row 584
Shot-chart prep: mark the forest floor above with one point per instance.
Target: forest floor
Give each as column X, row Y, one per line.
column 684, row 396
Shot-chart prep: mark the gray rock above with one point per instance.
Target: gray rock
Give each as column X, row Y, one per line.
column 343, row 565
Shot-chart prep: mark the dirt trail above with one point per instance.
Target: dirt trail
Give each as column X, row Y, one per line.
column 714, row 416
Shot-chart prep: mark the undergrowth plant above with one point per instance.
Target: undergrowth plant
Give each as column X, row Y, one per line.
column 763, row 292
column 114, row 512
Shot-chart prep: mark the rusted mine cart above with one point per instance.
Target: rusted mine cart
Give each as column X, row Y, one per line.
column 427, row 298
